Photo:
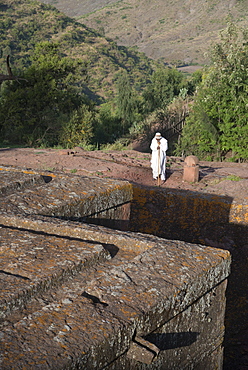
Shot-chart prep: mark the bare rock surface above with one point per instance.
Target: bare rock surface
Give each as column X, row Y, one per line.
column 223, row 178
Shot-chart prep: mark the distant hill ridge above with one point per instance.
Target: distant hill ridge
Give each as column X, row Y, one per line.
column 168, row 29
column 24, row 23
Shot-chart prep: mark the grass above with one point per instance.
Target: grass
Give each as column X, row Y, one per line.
column 233, row 178
column 50, row 169
column 9, row 146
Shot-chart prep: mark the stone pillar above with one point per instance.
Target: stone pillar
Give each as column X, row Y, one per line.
column 191, row 169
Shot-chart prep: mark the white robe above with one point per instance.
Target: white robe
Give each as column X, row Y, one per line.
column 156, row 169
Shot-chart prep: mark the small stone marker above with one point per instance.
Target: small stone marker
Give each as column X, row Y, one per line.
column 191, row 169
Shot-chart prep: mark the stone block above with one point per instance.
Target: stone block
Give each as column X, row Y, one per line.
column 89, row 297
column 191, row 161
column 67, row 196
column 188, row 215
column 92, row 321
column 191, row 173
column 191, row 169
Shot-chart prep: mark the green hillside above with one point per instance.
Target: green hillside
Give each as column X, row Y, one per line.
column 24, row 23
column 67, row 71
column 171, row 30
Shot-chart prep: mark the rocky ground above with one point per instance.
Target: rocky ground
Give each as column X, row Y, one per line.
column 224, row 178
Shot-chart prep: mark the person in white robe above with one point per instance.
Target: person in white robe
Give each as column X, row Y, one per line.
column 159, row 146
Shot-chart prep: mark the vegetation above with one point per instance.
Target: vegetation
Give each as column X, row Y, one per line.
column 178, row 32
column 24, row 23
column 166, row 83
column 65, row 71
column 126, row 102
column 31, row 111
column 217, row 127
column 76, row 88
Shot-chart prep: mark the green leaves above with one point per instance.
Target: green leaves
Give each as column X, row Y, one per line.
column 33, row 111
column 126, row 102
column 222, row 101
column 78, row 131
column 165, row 85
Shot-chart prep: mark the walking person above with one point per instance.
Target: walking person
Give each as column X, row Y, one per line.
column 159, row 146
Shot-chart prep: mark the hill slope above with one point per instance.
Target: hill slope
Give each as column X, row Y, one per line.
column 23, row 23
column 171, row 30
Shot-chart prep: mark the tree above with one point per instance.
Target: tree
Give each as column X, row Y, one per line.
column 218, row 124
column 78, row 131
column 165, row 85
column 31, row 112
column 126, row 104
column 108, row 127
column 9, row 76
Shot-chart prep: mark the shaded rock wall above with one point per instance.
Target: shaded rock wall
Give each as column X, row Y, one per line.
column 191, row 216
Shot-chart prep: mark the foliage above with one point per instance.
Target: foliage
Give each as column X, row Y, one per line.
column 119, row 144
column 218, row 124
column 78, row 131
column 233, row 178
column 193, row 81
column 165, row 85
column 24, row 23
column 108, row 127
column 32, row 111
column 49, row 107
column 126, row 103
